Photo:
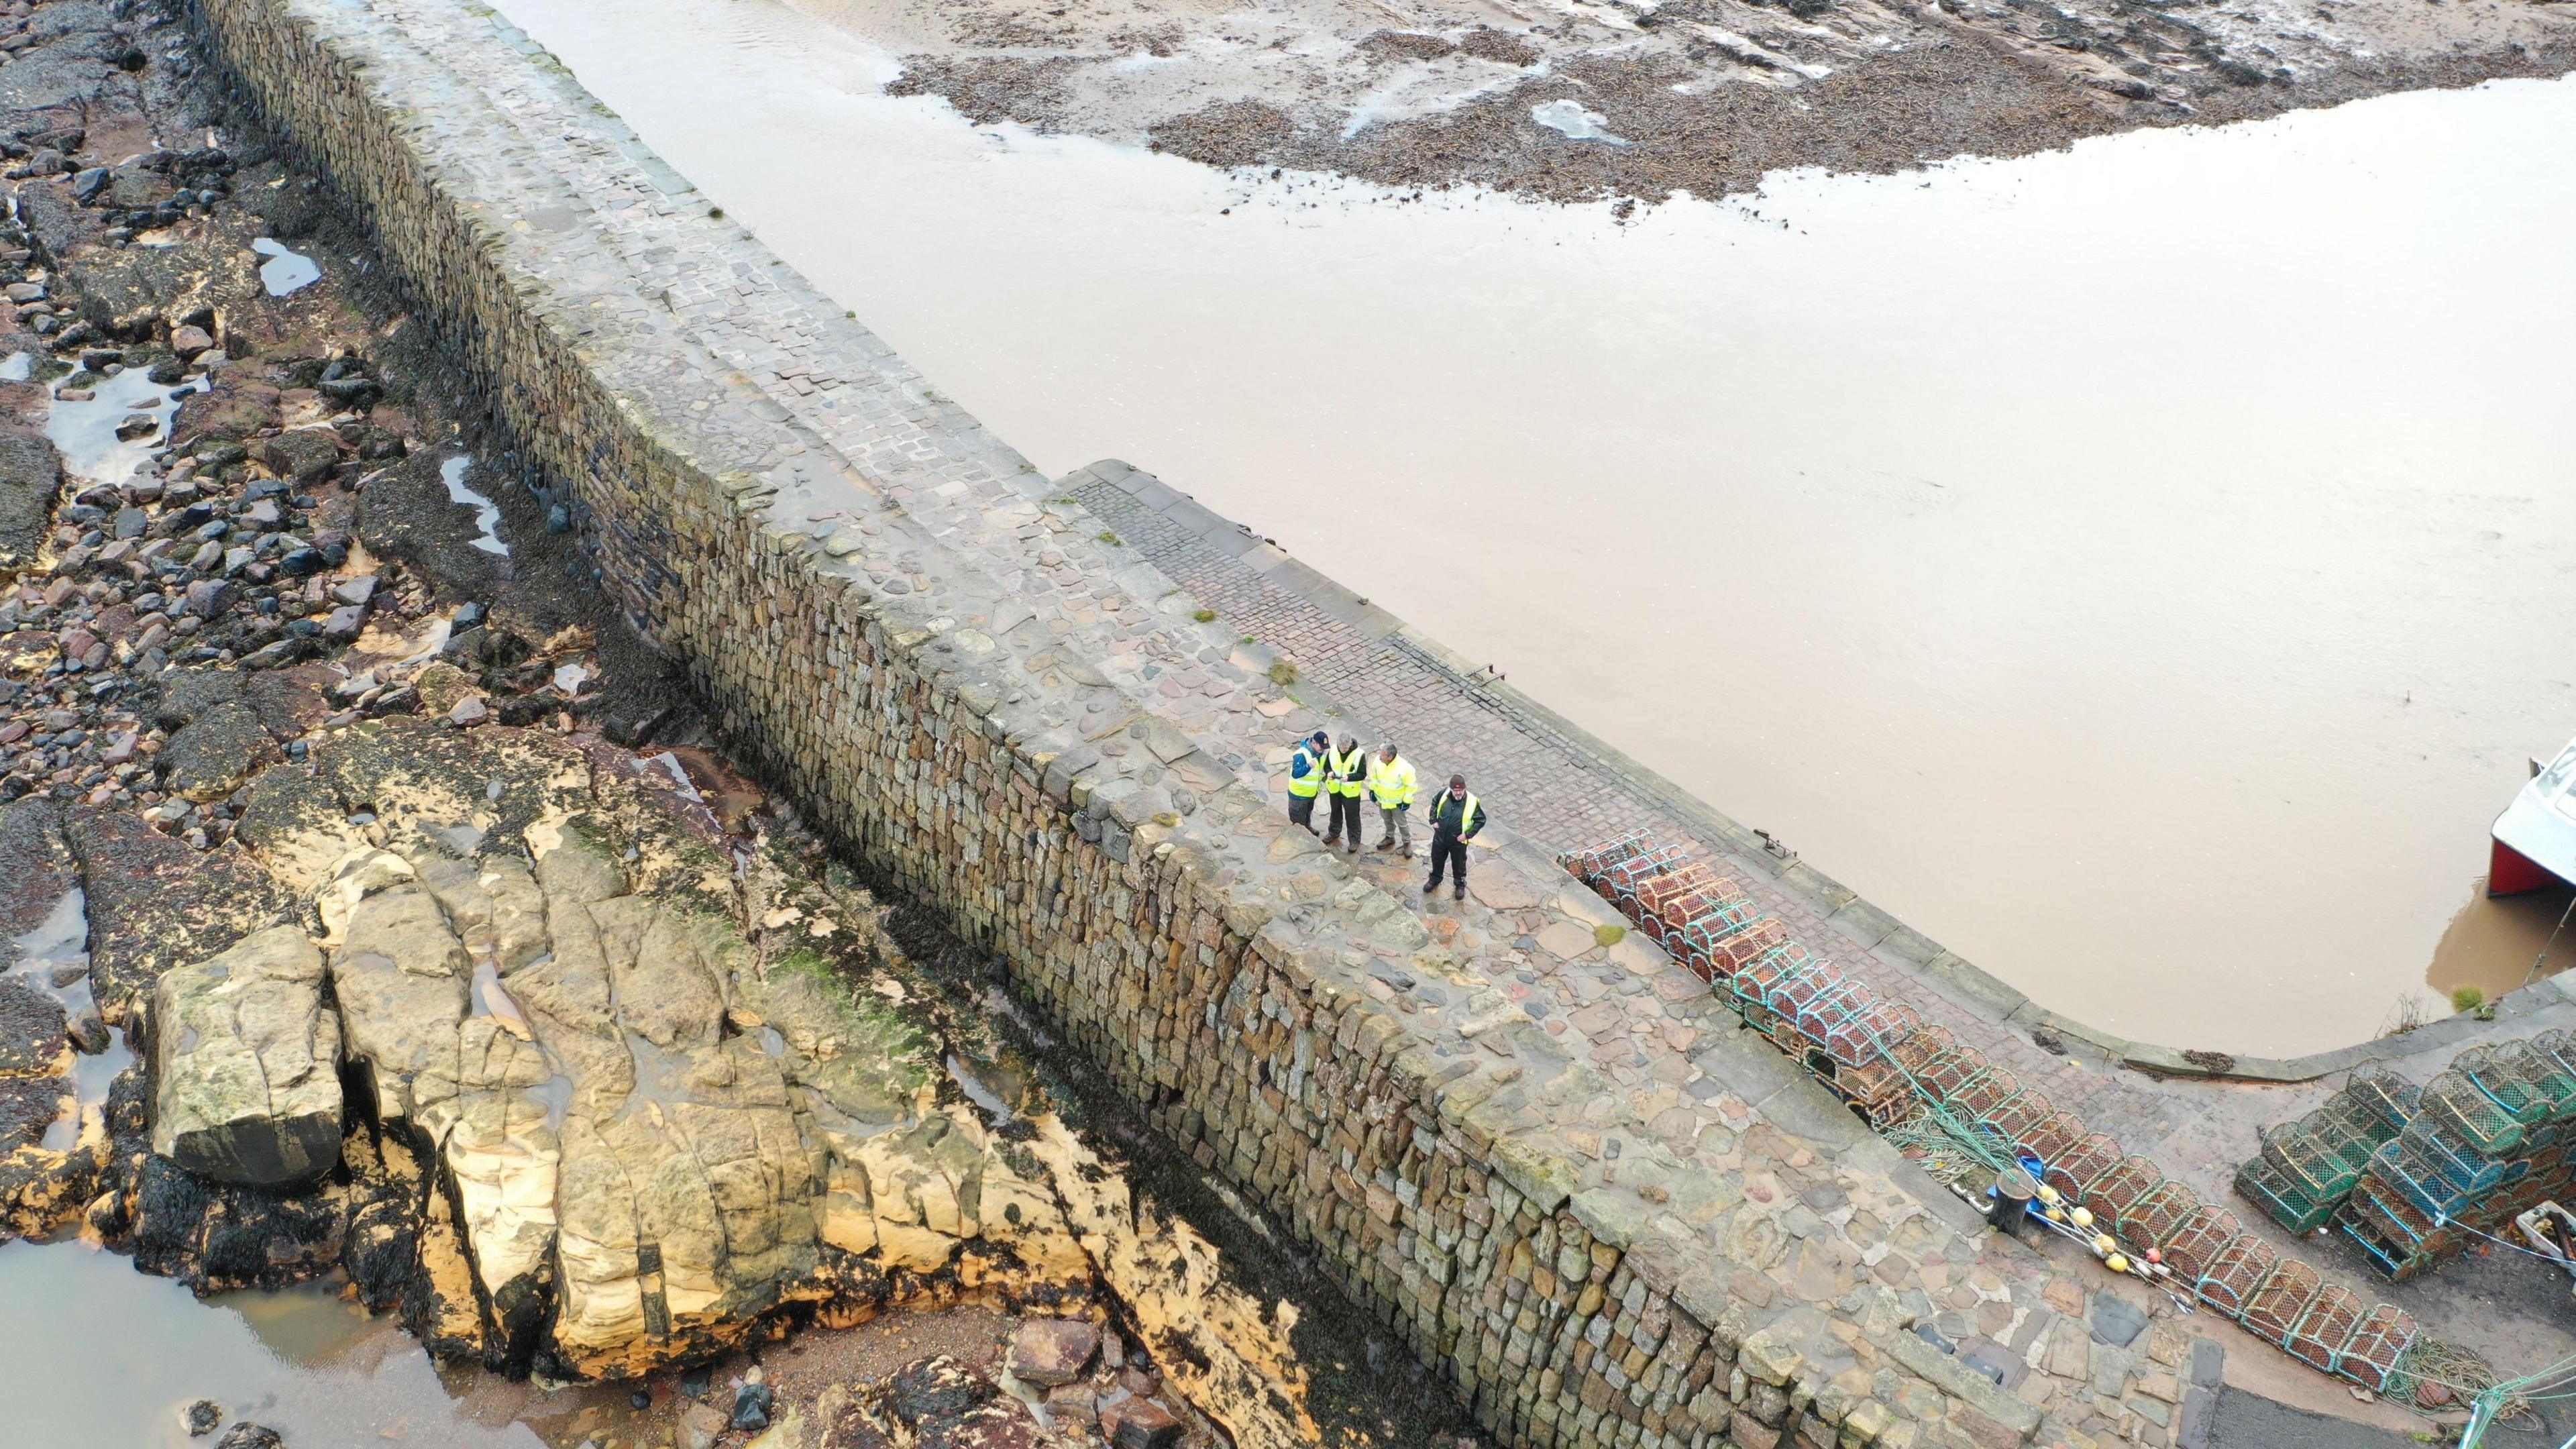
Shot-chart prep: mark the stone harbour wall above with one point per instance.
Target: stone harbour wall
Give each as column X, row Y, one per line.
column 956, row 675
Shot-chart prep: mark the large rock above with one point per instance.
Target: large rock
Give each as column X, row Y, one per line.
column 31, row 1030
column 1053, row 1351
column 31, row 475
column 246, row 1064
column 649, row 1134
column 216, row 754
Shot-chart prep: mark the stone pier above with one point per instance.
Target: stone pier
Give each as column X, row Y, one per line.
column 1520, row 1137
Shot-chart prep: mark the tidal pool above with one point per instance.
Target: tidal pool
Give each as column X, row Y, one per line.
column 92, row 1352
column 2143, row 568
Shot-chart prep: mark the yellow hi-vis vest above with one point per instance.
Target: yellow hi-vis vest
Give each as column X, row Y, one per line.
column 1347, row 771
column 1468, row 811
column 1306, row 785
column 1392, row 783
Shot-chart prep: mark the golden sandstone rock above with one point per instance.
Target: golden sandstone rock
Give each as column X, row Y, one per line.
column 650, row 1132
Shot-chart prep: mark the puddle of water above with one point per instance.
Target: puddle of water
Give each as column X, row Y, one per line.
column 285, row 272
column 92, row 1352
column 1570, row 120
column 487, row 514
column 492, row 999
column 60, row 944
column 17, row 366
column 679, row 775
column 976, row 1092
column 2048, row 548
column 2499, row 944
column 84, row 431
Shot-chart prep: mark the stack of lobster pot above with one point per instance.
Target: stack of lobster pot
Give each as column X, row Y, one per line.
column 2492, row 1137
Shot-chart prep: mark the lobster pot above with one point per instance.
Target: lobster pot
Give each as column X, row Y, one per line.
column 1762, row 941
column 2398, row 1237
column 2280, row 1301
column 2381, row 1338
column 1588, row 864
column 1878, row 1090
column 2234, row 1272
column 1862, row 1037
column 2161, row 1213
column 1620, row 881
column 2282, row 1197
column 1773, row 977
column 2326, row 1151
column 2470, row 1173
column 2383, row 1095
column 2194, row 1242
column 2506, row 1072
column 1944, row 1075
column 1921, row 1045
column 1712, row 910
column 2114, row 1196
column 2080, row 1164
column 2390, row 1262
column 1817, row 995
column 2405, row 1167
column 1705, row 941
column 2456, row 1107
column 2551, row 1085
column 2558, row 1047
column 2052, row 1136
column 2017, row 1120
column 2325, row 1330
column 1784, row 1034
column 1978, row 1097
column 1659, row 893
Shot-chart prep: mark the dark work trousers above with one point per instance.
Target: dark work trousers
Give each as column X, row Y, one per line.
column 1301, row 811
column 1447, row 850
column 1345, row 819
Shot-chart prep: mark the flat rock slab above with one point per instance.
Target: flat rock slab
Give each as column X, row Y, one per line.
column 2116, row 1320
column 1567, row 939
column 1502, row 888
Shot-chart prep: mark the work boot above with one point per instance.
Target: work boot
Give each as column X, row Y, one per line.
column 1429, row 886
column 1387, row 844
column 1332, row 840
column 1408, row 852
column 1354, row 846
column 1461, row 894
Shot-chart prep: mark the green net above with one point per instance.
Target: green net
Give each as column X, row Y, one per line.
column 2456, row 1109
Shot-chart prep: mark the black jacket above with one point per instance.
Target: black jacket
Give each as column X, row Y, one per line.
column 1445, row 812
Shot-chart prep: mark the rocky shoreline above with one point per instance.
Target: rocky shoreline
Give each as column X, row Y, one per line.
column 385, row 916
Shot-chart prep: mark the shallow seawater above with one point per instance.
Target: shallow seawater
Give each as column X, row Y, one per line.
column 285, row 272
column 487, row 514
column 59, row 945
column 2141, row 567
column 92, row 1352
column 84, row 430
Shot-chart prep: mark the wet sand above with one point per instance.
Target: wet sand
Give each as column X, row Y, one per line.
column 1642, row 98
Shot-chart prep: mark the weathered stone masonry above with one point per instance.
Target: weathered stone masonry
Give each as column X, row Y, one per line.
column 902, row 626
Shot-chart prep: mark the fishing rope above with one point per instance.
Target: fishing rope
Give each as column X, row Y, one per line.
column 2443, row 1220
column 2563, row 917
